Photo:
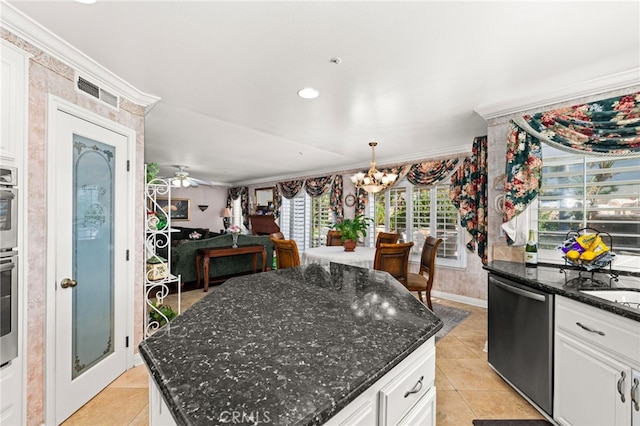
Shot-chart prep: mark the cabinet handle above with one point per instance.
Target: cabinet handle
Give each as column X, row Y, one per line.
column 591, row 330
column 623, row 375
column 416, row 388
column 634, row 391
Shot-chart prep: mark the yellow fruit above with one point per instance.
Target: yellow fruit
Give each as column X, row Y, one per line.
column 596, row 241
column 573, row 254
column 586, row 240
column 588, row 256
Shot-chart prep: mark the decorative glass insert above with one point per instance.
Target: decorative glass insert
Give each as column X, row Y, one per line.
column 93, row 257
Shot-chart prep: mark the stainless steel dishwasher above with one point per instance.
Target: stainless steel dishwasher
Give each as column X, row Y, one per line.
column 520, row 338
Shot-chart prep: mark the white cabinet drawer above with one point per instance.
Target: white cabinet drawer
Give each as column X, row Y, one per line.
column 424, row 413
column 397, row 397
column 609, row 331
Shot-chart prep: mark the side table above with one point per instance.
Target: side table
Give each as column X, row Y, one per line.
column 203, row 256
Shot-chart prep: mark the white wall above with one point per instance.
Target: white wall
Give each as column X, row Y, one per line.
column 214, row 197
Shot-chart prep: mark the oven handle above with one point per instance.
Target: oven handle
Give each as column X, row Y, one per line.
column 7, row 194
column 528, row 294
column 7, row 266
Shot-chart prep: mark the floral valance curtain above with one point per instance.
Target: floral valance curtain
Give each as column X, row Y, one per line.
column 233, row 194
column 315, row 187
column 469, row 195
column 606, row 127
column 430, row 172
column 291, row 188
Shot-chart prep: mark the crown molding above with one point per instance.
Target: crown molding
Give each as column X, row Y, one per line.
column 596, row 86
column 32, row 32
column 353, row 168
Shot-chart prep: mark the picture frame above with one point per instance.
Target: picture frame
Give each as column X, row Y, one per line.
column 264, row 200
column 180, row 208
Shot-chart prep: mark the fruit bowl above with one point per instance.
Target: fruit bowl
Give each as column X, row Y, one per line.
column 587, row 250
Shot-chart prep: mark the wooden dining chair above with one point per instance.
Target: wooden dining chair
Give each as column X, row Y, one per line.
column 394, row 259
column 419, row 282
column 334, row 238
column 287, row 254
column 387, row 238
column 277, row 236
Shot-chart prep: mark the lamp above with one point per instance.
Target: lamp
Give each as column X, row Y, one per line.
column 226, row 213
column 373, row 181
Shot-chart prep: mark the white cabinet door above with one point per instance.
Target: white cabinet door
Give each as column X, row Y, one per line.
column 635, row 398
column 589, row 386
column 423, row 413
column 13, row 86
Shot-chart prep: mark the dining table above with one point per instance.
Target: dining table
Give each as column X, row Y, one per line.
column 362, row 257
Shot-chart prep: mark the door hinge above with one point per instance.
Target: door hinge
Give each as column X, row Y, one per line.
column 126, row 342
column 127, row 256
column 128, row 165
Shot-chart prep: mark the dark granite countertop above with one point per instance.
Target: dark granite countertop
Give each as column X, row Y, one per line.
column 291, row 346
column 569, row 283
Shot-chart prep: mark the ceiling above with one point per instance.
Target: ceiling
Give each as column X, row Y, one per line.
column 410, row 77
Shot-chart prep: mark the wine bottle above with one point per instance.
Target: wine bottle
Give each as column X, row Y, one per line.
column 531, row 251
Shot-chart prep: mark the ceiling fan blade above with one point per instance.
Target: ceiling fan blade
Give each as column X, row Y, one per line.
column 200, row 181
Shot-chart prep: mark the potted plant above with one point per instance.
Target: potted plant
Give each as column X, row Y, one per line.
column 352, row 230
column 161, row 313
column 152, row 171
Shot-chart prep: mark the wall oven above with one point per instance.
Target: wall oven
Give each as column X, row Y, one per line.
column 8, row 306
column 8, row 264
column 8, row 208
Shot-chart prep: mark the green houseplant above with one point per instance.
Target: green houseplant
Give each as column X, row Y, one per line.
column 152, row 171
column 161, row 313
column 352, row 229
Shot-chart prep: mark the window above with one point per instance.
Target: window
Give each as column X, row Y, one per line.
column 294, row 224
column 428, row 212
column 586, row 191
column 236, row 209
column 321, row 219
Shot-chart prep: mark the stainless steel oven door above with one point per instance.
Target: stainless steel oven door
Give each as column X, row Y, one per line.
column 8, row 307
column 8, row 218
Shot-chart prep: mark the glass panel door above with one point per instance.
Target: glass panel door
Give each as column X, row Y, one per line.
column 93, row 257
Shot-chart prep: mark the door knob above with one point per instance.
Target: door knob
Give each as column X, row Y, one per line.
column 68, row 282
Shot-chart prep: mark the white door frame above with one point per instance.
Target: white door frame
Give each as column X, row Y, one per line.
column 55, row 104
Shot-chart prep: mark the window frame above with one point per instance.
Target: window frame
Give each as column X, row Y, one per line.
column 554, row 256
column 302, row 235
column 460, row 262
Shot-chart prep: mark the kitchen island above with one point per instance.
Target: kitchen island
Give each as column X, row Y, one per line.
column 294, row 346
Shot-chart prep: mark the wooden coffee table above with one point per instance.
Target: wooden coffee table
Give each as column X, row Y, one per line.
column 203, row 256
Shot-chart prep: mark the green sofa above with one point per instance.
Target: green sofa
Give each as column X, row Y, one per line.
column 183, row 257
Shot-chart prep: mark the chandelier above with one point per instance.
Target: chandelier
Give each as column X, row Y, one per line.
column 373, row 181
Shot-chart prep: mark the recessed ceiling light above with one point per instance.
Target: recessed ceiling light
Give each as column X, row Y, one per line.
column 308, row 93
column 86, row 1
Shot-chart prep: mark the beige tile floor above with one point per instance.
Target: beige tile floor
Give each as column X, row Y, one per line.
column 467, row 388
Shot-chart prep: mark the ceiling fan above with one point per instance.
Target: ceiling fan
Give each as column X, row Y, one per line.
column 181, row 179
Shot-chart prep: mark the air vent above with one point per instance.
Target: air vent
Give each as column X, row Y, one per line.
column 97, row 92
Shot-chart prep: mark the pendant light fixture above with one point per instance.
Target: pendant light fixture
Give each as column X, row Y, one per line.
column 373, row 181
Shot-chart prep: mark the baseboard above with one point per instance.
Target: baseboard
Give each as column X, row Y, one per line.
column 137, row 360
column 458, row 298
